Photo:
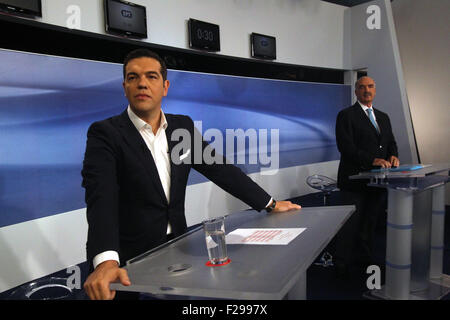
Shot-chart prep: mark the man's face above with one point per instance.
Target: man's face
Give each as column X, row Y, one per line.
column 365, row 90
column 144, row 85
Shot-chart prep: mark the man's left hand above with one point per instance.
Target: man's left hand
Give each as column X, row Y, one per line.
column 283, row 206
column 395, row 162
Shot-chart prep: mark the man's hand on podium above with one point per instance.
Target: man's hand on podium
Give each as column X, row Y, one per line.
column 381, row 163
column 283, row 206
column 395, row 162
column 97, row 284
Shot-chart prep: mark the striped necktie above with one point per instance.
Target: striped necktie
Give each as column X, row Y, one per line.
column 372, row 119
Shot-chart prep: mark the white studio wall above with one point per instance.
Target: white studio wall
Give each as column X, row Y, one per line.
column 422, row 32
column 308, row 32
column 376, row 49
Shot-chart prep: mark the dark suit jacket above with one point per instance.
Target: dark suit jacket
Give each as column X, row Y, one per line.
column 359, row 144
column 127, row 210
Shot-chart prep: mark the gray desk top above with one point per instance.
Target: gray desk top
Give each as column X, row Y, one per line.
column 410, row 181
column 255, row 271
column 431, row 169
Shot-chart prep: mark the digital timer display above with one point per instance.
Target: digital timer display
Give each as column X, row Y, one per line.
column 204, row 35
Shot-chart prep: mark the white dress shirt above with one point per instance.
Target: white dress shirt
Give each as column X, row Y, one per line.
column 158, row 146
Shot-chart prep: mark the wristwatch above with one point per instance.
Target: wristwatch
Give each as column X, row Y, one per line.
column 271, row 206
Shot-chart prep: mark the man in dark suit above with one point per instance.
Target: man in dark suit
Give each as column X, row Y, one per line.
column 135, row 177
column 365, row 140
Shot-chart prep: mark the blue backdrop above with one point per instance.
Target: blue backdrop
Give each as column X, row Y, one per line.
column 47, row 104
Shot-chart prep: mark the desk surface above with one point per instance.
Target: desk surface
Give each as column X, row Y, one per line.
column 428, row 170
column 255, row 271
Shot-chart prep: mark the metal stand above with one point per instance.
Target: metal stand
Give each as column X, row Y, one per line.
column 398, row 252
column 415, row 233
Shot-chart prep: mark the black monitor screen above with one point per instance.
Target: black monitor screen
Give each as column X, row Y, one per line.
column 204, row 35
column 125, row 18
column 263, row 46
column 25, row 7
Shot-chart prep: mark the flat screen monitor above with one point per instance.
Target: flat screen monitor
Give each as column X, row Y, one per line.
column 263, row 46
column 29, row 8
column 125, row 18
column 204, row 35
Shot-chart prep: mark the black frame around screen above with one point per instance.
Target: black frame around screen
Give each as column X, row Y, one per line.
column 16, row 9
column 123, row 32
column 256, row 52
column 198, row 44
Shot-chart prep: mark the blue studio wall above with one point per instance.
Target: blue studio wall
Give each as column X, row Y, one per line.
column 47, row 104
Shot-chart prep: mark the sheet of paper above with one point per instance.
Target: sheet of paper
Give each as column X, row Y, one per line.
column 264, row 236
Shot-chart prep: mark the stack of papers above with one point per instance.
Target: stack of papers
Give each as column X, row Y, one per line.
column 263, row 236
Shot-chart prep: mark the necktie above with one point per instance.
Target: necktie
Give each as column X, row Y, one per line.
column 372, row 119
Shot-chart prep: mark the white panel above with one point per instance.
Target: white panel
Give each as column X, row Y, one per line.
column 92, row 14
column 422, row 32
column 377, row 50
column 39, row 247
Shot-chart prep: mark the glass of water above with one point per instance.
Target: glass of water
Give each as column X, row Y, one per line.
column 215, row 240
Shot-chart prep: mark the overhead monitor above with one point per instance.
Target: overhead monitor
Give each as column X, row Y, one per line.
column 126, row 19
column 29, row 8
column 204, row 35
column 263, row 46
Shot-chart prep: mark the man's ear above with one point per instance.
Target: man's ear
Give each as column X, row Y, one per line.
column 166, row 85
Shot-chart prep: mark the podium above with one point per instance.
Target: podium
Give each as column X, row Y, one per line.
column 415, row 232
column 274, row 272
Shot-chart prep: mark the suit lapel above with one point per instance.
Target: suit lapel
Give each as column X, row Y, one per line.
column 171, row 126
column 365, row 119
column 137, row 144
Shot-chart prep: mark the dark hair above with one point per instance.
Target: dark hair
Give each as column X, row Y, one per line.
column 139, row 53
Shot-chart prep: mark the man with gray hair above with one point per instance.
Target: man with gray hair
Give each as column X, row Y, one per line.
column 365, row 140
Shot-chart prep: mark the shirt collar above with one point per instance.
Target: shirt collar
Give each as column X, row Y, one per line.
column 364, row 106
column 141, row 124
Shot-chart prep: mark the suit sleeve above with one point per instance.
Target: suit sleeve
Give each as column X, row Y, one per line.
column 345, row 140
column 230, row 178
column 100, row 181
